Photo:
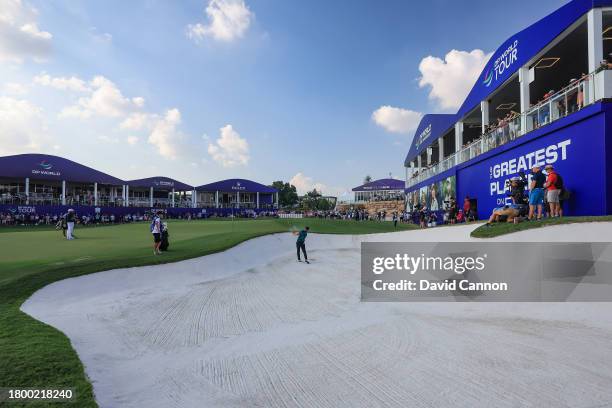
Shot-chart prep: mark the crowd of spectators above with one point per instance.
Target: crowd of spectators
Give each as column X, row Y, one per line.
column 33, row 218
column 8, row 218
column 547, row 193
column 451, row 213
column 87, row 198
column 389, row 197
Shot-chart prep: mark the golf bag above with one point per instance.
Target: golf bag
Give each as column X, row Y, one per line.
column 164, row 239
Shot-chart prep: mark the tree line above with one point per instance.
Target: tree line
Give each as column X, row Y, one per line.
column 288, row 198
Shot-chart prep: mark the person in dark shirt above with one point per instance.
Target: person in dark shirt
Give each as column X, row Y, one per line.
column 536, row 192
column 517, row 189
column 301, row 244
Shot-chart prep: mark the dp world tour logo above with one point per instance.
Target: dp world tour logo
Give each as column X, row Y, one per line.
column 45, row 166
column 502, row 64
column 488, row 78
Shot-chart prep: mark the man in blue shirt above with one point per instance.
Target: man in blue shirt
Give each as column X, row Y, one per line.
column 301, row 244
column 536, row 193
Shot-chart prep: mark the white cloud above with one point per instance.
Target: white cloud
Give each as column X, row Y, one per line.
column 108, row 139
column 304, row 184
column 397, row 120
column 62, row 83
column 228, row 20
column 20, row 37
column 103, row 38
column 22, row 128
column 451, row 79
column 138, row 101
column 138, row 121
column 132, row 140
column 15, row 88
column 230, row 150
column 105, row 100
column 165, row 135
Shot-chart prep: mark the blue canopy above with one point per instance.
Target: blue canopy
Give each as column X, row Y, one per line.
column 162, row 183
column 382, row 184
column 47, row 167
column 236, row 185
column 431, row 127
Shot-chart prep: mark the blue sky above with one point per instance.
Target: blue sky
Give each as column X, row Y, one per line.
column 321, row 92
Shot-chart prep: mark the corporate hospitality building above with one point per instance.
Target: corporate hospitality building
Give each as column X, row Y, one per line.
column 379, row 190
column 49, row 185
column 543, row 98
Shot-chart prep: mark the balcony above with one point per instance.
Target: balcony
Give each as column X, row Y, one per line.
column 583, row 92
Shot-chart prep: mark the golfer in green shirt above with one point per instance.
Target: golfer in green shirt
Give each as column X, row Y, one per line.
column 301, row 244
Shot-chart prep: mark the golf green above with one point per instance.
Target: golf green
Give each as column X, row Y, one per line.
column 36, row 355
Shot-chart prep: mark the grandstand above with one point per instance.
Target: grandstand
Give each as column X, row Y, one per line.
column 379, row 190
column 45, row 184
column 383, row 195
column 237, row 193
column 542, row 98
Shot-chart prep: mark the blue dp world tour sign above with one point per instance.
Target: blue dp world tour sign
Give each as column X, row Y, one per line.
column 501, row 64
column 45, row 168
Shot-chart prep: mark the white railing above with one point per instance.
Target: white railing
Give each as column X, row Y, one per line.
column 290, row 215
column 575, row 96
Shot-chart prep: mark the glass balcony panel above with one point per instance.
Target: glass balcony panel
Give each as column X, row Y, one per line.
column 532, row 119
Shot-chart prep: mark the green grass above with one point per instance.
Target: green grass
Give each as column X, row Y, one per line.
column 504, row 228
column 33, row 354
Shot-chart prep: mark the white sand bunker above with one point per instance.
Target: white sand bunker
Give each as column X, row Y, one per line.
column 251, row 327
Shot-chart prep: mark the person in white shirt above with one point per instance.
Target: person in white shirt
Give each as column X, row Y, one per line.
column 156, row 231
column 70, row 219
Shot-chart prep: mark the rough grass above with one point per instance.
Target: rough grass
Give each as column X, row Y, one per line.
column 33, row 354
column 503, row 228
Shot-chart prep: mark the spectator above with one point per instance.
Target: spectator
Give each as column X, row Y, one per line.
column 70, row 220
column 460, row 216
column 536, row 192
column 553, row 187
column 156, row 231
column 467, row 207
column 452, row 211
column 517, row 189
